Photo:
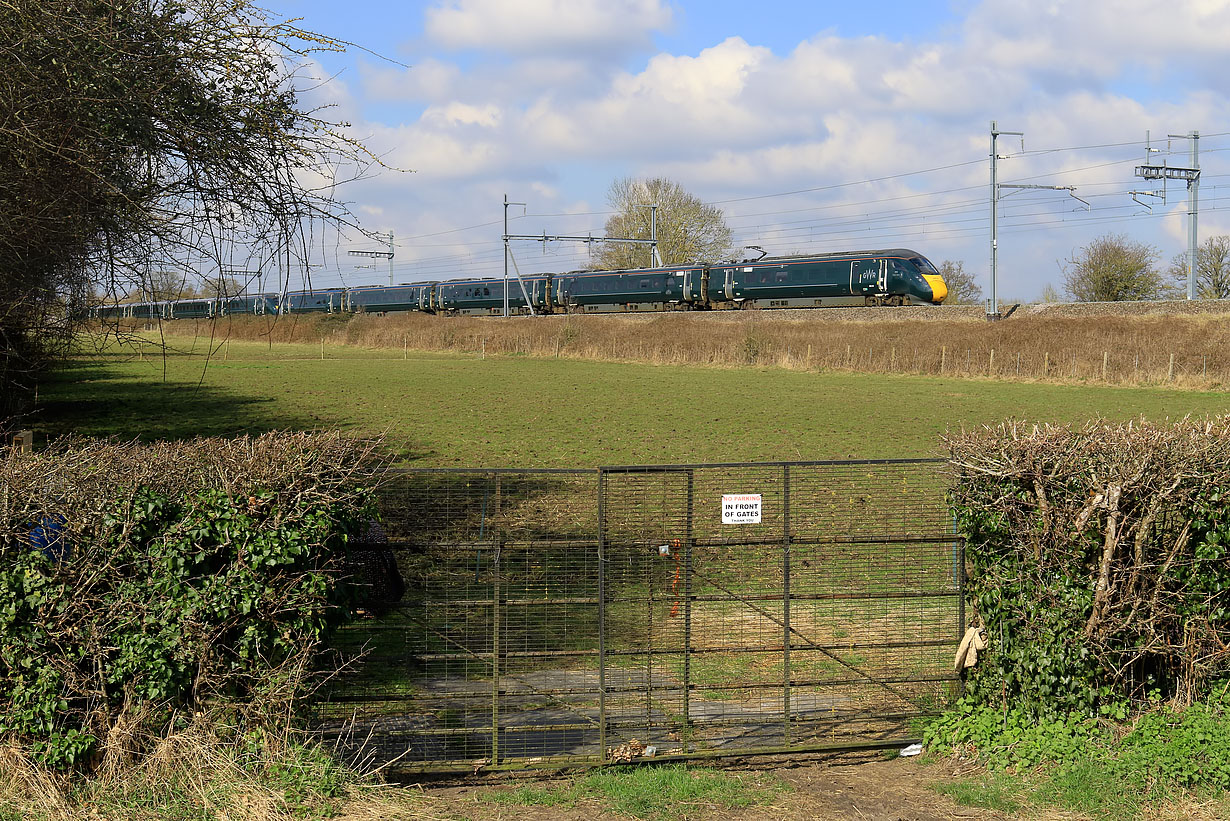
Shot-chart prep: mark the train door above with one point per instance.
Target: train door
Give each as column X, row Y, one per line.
column 864, row 275
column 882, row 282
column 728, row 289
column 687, row 298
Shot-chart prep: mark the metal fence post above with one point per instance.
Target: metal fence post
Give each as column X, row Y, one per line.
column 786, row 602
column 686, row 733
column 496, row 627
column 601, row 615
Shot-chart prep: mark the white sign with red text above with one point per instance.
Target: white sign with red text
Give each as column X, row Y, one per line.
column 741, row 508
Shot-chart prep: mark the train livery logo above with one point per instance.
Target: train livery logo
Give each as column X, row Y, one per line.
column 741, row 508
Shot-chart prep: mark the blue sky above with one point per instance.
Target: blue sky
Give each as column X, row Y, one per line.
column 816, row 126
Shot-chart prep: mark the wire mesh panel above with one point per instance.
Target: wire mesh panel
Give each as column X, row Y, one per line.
column 779, row 605
column 542, row 618
column 492, row 652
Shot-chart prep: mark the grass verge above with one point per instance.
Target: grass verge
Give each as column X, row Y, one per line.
column 196, row 774
column 1166, row 763
column 671, row 792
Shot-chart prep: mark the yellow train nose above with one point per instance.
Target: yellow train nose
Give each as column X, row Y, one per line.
column 938, row 289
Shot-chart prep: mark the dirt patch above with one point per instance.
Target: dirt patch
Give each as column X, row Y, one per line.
column 858, row 787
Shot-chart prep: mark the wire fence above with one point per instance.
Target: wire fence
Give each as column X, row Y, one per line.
column 551, row 618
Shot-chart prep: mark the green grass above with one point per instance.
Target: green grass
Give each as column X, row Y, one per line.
column 654, row 793
column 454, row 410
column 993, row 791
column 1085, row 788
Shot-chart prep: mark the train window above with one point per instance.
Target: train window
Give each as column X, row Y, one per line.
column 644, row 283
column 781, row 275
column 486, row 292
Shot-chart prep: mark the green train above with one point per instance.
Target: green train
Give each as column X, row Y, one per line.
column 896, row 276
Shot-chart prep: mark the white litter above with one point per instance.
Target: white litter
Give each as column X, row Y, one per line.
column 913, row 749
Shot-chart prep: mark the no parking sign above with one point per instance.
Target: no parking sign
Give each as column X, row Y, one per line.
column 741, row 508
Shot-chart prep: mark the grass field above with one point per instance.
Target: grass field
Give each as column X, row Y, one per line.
column 450, row 408
column 508, row 410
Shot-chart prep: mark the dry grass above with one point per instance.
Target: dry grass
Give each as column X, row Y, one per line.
column 1184, row 350
column 194, row 774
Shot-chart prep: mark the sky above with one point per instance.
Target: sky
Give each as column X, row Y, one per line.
column 815, row 126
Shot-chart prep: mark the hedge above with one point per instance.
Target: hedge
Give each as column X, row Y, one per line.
column 140, row 584
column 1098, row 560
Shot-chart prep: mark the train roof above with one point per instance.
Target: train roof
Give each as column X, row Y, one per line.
column 874, row 252
column 499, row 280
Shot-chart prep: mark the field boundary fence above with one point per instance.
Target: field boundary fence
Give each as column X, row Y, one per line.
column 551, row 618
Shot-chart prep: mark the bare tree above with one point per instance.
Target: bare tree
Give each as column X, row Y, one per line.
column 147, row 136
column 1113, row 268
column 688, row 230
column 1212, row 269
column 221, row 286
column 963, row 289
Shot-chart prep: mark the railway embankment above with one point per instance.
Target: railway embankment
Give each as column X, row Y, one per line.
column 1175, row 344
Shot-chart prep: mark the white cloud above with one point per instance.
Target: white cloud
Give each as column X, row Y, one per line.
column 535, row 27
column 1088, row 42
column 455, row 114
column 428, row 79
column 544, row 113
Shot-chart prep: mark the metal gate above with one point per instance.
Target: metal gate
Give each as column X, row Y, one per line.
column 552, row 618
